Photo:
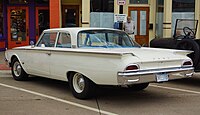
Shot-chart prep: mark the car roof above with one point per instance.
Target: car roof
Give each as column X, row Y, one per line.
column 76, row 29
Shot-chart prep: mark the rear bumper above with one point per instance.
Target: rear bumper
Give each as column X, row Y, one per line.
column 148, row 76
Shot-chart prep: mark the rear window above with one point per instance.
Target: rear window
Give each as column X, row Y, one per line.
column 104, row 39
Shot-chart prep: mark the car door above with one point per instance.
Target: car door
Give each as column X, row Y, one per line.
column 39, row 55
column 61, row 58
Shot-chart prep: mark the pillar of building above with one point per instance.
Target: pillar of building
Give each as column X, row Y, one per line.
column 85, row 13
column 197, row 16
column 152, row 19
column 116, row 7
column 167, row 20
column 55, row 13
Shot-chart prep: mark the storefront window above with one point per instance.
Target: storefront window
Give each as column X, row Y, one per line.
column 18, row 25
column 1, row 19
column 182, row 9
column 101, row 5
column 159, row 18
column 138, row 1
column 102, row 11
column 18, row 1
column 183, row 5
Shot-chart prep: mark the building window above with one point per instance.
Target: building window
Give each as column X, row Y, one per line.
column 1, row 19
column 42, row 1
column 101, row 5
column 159, row 18
column 18, row 1
column 182, row 9
column 102, row 11
column 138, row 1
column 183, row 5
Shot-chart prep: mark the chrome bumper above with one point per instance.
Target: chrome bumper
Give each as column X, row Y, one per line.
column 148, row 76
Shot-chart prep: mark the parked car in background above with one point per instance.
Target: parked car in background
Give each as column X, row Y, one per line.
column 86, row 57
column 184, row 38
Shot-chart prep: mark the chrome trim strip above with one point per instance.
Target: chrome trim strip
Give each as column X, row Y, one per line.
column 86, row 52
column 150, row 77
column 143, row 72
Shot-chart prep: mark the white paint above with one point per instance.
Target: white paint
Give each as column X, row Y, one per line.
column 175, row 89
column 58, row 99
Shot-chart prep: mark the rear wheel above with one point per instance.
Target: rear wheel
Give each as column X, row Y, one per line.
column 138, row 87
column 81, row 86
column 17, row 71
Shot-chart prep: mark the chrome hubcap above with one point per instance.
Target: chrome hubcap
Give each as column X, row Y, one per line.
column 17, row 69
column 78, row 83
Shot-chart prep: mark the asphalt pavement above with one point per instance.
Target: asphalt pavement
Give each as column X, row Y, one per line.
column 3, row 65
column 2, row 57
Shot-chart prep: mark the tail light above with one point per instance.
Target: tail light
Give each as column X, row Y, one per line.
column 132, row 67
column 187, row 63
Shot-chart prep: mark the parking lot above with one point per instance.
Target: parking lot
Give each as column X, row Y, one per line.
column 45, row 96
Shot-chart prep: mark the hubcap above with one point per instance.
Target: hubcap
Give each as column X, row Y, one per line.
column 78, row 83
column 17, row 69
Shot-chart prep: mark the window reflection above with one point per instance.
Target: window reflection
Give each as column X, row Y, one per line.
column 18, row 1
column 159, row 18
column 183, row 5
column 47, row 40
column 102, row 6
column 42, row 1
column 182, row 9
column 18, row 25
column 102, row 11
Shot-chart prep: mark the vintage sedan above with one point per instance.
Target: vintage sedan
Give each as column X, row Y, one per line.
column 87, row 57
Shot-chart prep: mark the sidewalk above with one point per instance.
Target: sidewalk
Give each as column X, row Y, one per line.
column 3, row 65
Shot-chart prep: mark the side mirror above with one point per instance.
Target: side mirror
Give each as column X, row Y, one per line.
column 32, row 44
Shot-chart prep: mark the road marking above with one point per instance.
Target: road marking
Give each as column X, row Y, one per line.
column 58, row 99
column 175, row 89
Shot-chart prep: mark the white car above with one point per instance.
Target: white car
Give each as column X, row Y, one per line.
column 87, row 57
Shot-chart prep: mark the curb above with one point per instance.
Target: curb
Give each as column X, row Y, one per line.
column 4, row 67
column 5, row 71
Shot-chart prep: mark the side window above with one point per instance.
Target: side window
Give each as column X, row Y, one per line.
column 64, row 40
column 47, row 40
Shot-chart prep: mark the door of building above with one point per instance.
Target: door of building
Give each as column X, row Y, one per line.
column 70, row 16
column 18, row 31
column 140, row 16
column 42, row 20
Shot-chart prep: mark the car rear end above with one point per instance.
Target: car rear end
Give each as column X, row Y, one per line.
column 155, row 67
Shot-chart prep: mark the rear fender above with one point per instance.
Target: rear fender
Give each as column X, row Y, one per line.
column 183, row 52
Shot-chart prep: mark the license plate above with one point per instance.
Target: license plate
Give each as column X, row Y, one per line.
column 161, row 77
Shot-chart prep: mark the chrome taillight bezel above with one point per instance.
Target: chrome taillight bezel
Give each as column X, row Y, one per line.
column 186, row 61
column 136, row 65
